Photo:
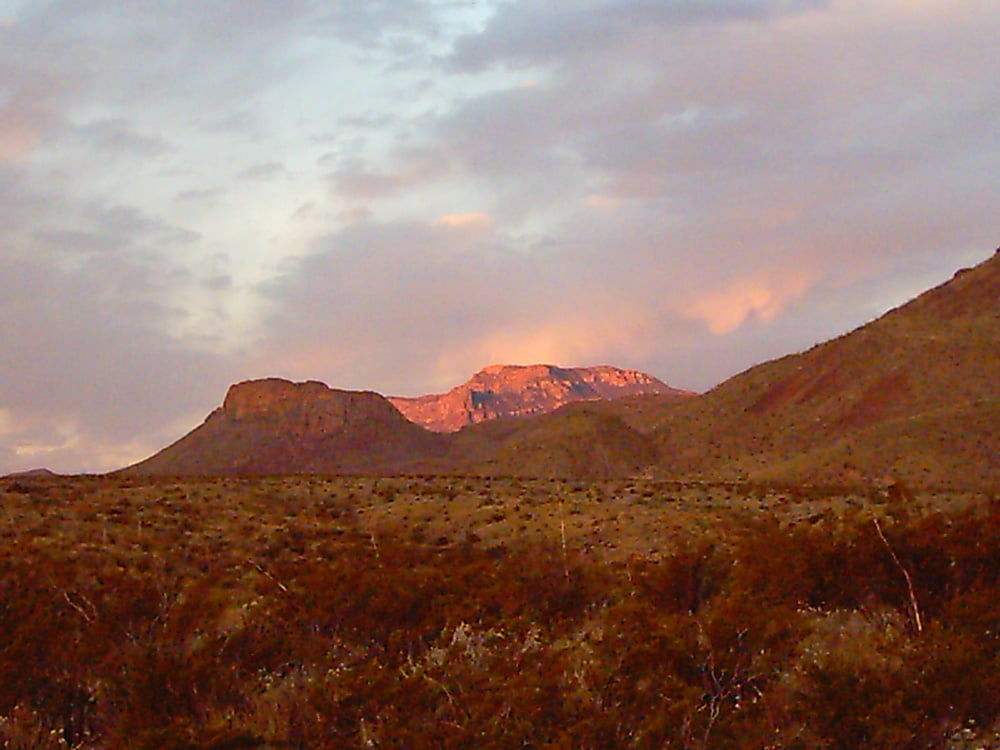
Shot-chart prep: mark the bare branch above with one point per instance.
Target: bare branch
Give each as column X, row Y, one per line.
column 906, row 574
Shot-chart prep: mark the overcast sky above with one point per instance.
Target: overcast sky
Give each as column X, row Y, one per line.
column 393, row 194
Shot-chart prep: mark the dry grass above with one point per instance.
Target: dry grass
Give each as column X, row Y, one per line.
column 599, row 520
column 451, row 612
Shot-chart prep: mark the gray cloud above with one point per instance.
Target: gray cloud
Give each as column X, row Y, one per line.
column 268, row 171
column 199, row 195
column 95, row 381
column 759, row 125
column 353, row 179
column 116, row 135
column 535, row 32
column 369, row 23
column 18, row 204
column 141, row 56
column 94, row 375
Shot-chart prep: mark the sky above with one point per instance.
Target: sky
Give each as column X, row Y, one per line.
column 390, row 195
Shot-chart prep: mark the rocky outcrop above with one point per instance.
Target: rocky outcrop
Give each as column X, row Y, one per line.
column 525, row 390
column 305, row 409
column 275, row 426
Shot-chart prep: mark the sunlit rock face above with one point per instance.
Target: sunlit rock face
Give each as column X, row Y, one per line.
column 521, row 390
column 309, row 408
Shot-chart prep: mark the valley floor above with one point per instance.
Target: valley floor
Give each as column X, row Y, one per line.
column 451, row 612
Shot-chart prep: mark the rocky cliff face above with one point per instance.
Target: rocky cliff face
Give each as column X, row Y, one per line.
column 309, row 408
column 523, row 390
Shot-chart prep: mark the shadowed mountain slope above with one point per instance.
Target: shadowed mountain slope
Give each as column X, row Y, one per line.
column 580, row 440
column 502, row 391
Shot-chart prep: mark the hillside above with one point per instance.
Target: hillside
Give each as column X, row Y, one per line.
column 501, row 391
column 913, row 395
column 274, row 426
column 579, row 440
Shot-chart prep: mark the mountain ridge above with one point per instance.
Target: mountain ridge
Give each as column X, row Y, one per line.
column 501, row 391
column 913, row 395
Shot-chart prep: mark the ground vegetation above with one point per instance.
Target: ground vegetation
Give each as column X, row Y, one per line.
column 412, row 612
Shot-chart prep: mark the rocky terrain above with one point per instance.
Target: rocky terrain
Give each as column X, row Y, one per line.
column 502, row 391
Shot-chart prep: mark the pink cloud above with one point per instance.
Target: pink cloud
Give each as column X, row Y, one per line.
column 762, row 296
column 22, row 124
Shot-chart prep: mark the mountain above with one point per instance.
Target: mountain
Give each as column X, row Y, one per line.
column 913, row 395
column 40, row 473
column 522, row 390
column 274, row 426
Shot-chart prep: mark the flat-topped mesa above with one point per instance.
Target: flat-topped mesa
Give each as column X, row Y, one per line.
column 521, row 390
column 310, row 406
column 269, row 397
column 275, row 426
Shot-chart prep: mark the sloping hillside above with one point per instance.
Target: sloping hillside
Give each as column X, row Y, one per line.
column 912, row 395
column 579, row 440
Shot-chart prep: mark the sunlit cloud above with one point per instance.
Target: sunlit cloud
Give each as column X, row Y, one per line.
column 589, row 337
column 602, row 202
column 23, row 122
column 61, row 436
column 7, row 424
column 64, row 443
column 472, row 226
column 761, row 297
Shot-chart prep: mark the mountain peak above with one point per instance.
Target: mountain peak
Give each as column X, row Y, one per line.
column 522, row 390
